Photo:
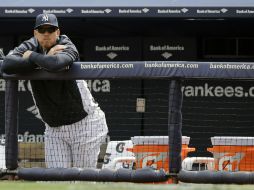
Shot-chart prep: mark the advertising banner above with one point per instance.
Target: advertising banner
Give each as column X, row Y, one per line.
column 186, row 10
column 112, row 49
column 167, row 49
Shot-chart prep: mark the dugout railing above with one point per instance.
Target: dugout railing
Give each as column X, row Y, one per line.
column 177, row 71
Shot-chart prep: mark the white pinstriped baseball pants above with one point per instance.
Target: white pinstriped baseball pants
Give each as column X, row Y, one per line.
column 76, row 145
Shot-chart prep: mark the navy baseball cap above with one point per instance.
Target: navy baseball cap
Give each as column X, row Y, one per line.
column 46, row 19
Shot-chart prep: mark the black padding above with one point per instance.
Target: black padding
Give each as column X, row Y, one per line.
column 216, row 177
column 69, row 174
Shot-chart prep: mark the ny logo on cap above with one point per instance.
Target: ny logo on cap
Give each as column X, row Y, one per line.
column 45, row 18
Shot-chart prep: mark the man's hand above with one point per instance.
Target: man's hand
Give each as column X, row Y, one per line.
column 56, row 49
column 27, row 54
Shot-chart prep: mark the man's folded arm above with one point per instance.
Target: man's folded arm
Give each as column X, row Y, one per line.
column 14, row 64
column 51, row 63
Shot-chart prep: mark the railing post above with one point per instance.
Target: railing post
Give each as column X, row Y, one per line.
column 175, row 127
column 11, row 124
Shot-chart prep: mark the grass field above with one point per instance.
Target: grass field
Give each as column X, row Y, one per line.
column 18, row 185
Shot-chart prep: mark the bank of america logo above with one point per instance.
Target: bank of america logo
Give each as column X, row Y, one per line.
column 184, row 10
column 107, row 10
column 166, row 55
column 69, row 10
column 112, row 55
column 224, row 10
column 33, row 109
column 31, row 10
column 145, row 10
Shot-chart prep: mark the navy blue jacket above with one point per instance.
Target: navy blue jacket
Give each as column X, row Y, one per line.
column 59, row 101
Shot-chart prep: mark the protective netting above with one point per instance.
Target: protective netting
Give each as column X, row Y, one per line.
column 130, row 114
column 216, row 125
column 225, row 110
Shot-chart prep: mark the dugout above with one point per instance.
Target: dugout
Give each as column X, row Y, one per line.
column 197, row 30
